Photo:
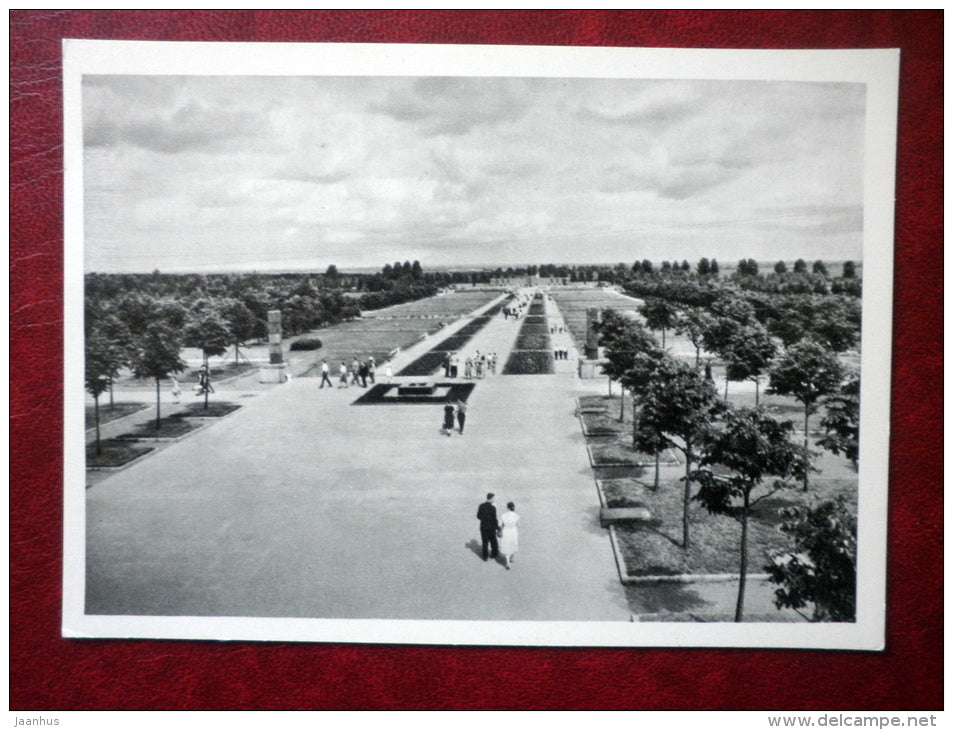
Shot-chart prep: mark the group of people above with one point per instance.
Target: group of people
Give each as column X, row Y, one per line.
column 451, row 412
column 360, row 373
column 499, row 536
column 515, row 310
column 479, row 365
column 561, row 353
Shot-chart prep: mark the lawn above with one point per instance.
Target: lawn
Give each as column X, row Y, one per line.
column 169, row 427
column 654, row 548
column 574, row 301
column 112, row 412
column 450, row 306
column 113, row 454
column 215, row 409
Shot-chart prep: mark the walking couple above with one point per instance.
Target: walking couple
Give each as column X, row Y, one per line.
column 506, row 528
column 448, row 414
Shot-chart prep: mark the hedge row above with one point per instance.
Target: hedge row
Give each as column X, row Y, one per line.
column 530, row 362
column 532, row 341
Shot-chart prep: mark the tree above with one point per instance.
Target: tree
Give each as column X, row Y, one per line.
column 157, row 356
column 841, row 422
column 240, row 321
column 209, row 332
column 819, row 268
column 748, row 355
column 332, row 272
column 692, row 322
column 678, row 407
column 638, row 378
column 821, row 567
column 728, row 315
column 800, row 266
column 808, row 371
column 751, row 446
column 849, row 271
column 780, row 267
column 659, row 315
column 835, row 321
column 104, row 358
column 623, row 339
column 704, row 266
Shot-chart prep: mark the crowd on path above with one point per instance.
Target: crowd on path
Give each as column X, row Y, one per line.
column 478, row 365
column 359, row 373
column 499, row 536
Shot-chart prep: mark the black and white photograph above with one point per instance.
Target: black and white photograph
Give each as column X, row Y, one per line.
column 477, row 345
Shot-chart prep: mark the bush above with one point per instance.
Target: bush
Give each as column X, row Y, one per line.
column 306, row 343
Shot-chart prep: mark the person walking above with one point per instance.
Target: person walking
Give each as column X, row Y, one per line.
column 364, row 371
column 486, row 513
column 461, row 414
column 355, row 371
column 176, row 390
column 371, row 370
column 342, row 382
column 448, row 419
column 325, row 375
column 509, row 534
column 388, row 373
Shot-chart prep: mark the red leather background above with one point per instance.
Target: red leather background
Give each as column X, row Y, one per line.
column 50, row 673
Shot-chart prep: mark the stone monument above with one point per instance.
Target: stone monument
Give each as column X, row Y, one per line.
column 274, row 371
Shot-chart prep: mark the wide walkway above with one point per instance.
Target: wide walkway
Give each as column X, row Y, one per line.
column 301, row 505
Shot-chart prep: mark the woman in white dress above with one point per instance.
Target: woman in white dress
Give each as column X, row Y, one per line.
column 510, row 534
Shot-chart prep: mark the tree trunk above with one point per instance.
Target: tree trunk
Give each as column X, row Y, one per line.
column 158, row 405
column 757, row 384
column 622, row 406
column 743, row 569
column 96, row 411
column 658, row 458
column 726, row 386
column 111, row 393
column 807, row 457
column 688, row 494
column 663, row 338
column 208, row 379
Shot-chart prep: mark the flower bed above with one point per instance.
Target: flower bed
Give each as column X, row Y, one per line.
column 532, row 341
column 383, row 394
column 431, row 361
column 530, row 362
column 426, row 364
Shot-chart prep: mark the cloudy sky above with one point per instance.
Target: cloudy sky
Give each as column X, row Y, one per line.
column 214, row 173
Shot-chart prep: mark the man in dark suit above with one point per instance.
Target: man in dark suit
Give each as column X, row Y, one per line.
column 486, row 513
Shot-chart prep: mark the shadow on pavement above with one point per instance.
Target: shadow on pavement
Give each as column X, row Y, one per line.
column 664, row 598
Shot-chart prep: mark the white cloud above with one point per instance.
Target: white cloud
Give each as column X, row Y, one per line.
column 463, row 170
